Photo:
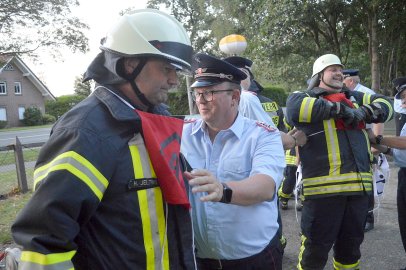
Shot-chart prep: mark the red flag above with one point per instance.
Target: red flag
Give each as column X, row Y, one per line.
column 162, row 136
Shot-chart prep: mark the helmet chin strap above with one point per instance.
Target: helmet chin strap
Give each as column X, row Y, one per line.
column 131, row 78
column 329, row 85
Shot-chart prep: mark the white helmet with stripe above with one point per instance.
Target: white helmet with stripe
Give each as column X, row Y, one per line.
column 150, row 33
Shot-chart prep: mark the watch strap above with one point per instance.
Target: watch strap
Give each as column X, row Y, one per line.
column 227, row 193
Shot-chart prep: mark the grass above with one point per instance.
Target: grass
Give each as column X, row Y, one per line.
column 9, row 209
column 9, row 187
column 24, row 128
column 7, row 157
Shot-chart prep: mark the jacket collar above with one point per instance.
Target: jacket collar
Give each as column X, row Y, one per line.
column 117, row 107
column 318, row 91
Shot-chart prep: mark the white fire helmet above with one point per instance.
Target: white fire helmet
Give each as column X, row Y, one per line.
column 324, row 61
column 150, row 32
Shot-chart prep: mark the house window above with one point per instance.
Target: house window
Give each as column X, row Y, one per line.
column 3, row 88
column 9, row 67
column 17, row 88
column 3, row 114
column 21, row 111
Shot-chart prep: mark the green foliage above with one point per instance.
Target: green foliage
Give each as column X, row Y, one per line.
column 285, row 37
column 82, row 89
column 30, row 25
column 178, row 103
column 48, row 119
column 32, row 117
column 61, row 105
column 276, row 93
column 3, row 124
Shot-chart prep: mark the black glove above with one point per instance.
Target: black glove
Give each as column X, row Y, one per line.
column 350, row 116
column 360, row 114
column 373, row 112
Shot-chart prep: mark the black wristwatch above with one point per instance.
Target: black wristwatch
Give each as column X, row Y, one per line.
column 227, row 194
column 378, row 139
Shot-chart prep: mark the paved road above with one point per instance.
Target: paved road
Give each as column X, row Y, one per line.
column 25, row 136
column 382, row 247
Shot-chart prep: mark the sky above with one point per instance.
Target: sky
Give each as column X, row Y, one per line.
column 59, row 74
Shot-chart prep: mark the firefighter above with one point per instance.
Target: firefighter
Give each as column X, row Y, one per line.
column 336, row 164
column 99, row 201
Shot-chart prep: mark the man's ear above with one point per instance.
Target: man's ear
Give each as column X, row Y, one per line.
column 130, row 64
column 236, row 96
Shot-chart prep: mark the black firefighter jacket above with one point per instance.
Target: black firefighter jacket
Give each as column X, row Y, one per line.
column 334, row 161
column 86, row 211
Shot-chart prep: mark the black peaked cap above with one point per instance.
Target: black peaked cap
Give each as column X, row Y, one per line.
column 209, row 70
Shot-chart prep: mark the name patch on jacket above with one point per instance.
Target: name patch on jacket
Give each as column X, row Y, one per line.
column 265, row 126
column 142, row 183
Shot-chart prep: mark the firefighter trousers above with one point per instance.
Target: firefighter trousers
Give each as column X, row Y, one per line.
column 338, row 221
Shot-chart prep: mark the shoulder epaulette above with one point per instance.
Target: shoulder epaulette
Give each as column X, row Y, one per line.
column 265, row 126
column 189, row 120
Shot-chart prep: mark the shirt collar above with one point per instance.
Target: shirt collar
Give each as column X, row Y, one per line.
column 236, row 128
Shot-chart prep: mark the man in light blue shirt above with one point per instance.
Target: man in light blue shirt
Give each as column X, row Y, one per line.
column 237, row 167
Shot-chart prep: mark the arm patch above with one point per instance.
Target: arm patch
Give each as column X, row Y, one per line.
column 265, row 126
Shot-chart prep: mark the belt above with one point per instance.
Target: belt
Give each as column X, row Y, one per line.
column 221, row 264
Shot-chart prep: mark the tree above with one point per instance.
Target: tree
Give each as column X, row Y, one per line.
column 26, row 26
column 82, row 89
column 286, row 36
column 62, row 104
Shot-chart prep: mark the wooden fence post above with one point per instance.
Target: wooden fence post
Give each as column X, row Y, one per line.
column 20, row 166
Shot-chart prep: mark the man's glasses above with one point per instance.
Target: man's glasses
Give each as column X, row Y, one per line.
column 207, row 95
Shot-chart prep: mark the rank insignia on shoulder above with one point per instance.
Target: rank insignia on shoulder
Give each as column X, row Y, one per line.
column 266, row 126
column 189, row 120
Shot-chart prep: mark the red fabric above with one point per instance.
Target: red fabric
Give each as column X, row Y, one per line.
column 162, row 136
column 340, row 97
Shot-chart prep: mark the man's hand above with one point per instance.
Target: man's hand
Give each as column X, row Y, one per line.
column 204, row 181
column 351, row 116
column 300, row 136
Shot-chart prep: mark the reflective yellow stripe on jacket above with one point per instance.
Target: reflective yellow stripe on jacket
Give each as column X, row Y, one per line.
column 37, row 261
column 347, row 182
column 387, row 104
column 78, row 166
column 151, row 208
column 335, row 181
column 289, row 158
column 306, row 108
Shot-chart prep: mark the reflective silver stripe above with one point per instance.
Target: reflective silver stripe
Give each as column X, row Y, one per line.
column 34, row 266
column 78, row 166
column 151, row 209
column 34, row 260
column 366, row 99
column 333, row 148
column 306, row 109
column 337, row 188
column 387, row 103
column 337, row 178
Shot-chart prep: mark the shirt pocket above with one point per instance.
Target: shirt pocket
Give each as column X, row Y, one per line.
column 236, row 168
column 195, row 161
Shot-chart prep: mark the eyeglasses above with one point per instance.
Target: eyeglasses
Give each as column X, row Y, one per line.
column 207, row 95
